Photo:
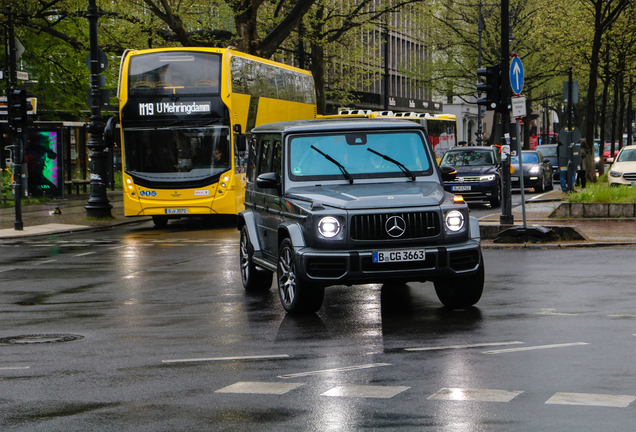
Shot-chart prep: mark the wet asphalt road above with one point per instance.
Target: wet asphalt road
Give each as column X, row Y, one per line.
column 166, row 339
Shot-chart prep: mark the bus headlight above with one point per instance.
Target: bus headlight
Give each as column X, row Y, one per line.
column 454, row 221
column 329, row 227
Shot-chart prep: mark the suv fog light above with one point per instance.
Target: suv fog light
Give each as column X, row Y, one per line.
column 329, row 227
column 454, row 221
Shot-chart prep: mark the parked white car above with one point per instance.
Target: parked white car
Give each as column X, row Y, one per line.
column 623, row 170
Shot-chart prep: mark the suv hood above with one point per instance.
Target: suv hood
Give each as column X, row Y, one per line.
column 372, row 195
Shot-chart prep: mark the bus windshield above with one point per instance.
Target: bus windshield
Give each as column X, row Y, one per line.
column 185, row 72
column 177, row 154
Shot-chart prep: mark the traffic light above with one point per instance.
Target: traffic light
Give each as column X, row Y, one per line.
column 18, row 108
column 490, row 87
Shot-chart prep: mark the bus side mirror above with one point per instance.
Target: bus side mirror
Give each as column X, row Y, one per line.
column 241, row 142
column 109, row 132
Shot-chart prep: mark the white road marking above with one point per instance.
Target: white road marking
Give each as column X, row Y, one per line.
column 462, row 346
column 622, row 315
column 552, row 312
column 255, row 357
column 14, row 367
column 9, row 269
column 44, row 262
column 276, row 388
column 537, row 347
column 342, row 369
column 474, row 395
column 604, row 400
column 365, row 391
column 117, row 247
column 84, row 254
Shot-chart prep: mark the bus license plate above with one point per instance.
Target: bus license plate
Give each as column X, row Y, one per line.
column 399, row 255
column 461, row 188
column 177, row 211
column 514, row 178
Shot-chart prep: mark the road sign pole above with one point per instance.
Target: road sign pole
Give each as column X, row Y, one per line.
column 506, row 217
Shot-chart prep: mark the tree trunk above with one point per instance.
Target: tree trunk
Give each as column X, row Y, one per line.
column 246, row 32
column 318, row 70
column 601, row 144
column 614, row 118
column 621, row 112
column 593, row 79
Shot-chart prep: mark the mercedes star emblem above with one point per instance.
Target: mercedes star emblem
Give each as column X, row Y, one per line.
column 395, row 226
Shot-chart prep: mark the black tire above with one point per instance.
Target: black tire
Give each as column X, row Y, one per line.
column 496, row 202
column 551, row 184
column 296, row 296
column 160, row 221
column 461, row 291
column 541, row 186
column 253, row 279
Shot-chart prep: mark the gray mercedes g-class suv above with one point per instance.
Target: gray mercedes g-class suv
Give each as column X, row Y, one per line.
column 355, row 201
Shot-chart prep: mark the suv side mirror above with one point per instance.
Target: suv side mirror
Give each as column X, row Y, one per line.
column 448, row 173
column 267, row 181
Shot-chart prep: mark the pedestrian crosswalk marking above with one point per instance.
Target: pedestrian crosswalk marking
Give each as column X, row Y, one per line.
column 275, row 388
column 365, row 391
column 475, row 395
column 589, row 399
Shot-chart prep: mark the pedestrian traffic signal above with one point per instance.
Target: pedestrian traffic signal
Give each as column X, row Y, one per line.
column 491, row 87
column 18, row 108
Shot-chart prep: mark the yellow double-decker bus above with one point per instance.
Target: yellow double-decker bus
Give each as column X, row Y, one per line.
column 185, row 117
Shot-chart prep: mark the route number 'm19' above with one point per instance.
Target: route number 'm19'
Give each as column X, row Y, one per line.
column 146, row 109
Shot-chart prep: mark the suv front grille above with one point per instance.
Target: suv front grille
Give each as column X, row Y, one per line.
column 373, row 226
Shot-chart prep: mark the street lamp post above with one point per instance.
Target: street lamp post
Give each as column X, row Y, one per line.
column 98, row 205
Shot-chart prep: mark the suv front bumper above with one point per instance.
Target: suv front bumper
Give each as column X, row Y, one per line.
column 337, row 267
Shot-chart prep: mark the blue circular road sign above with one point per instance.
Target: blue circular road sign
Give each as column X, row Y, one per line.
column 516, row 75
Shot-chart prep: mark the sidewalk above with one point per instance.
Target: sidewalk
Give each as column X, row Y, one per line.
column 597, row 232
column 40, row 219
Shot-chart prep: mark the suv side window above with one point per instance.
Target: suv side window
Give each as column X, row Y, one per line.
column 264, row 153
column 278, row 158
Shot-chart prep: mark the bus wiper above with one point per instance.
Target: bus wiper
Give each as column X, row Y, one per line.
column 338, row 164
column 404, row 169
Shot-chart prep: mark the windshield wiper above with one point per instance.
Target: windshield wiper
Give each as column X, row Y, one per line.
column 338, row 164
column 404, row 169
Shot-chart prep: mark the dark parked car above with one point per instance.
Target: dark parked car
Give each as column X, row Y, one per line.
column 478, row 174
column 549, row 152
column 537, row 171
column 356, row 201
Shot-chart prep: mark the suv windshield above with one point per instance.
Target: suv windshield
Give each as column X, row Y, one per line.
column 468, row 158
column 358, row 154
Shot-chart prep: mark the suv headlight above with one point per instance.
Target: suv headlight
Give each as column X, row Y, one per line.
column 535, row 170
column 615, row 174
column 454, row 221
column 486, row 178
column 329, row 227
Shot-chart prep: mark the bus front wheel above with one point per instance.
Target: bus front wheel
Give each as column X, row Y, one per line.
column 160, row 221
